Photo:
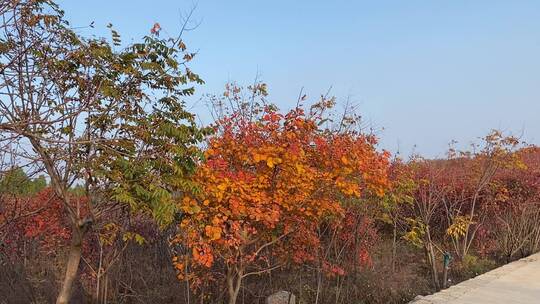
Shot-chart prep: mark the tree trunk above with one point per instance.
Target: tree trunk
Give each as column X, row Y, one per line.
column 430, row 256
column 319, row 283
column 72, row 267
column 394, row 249
column 234, row 281
column 432, row 263
column 233, row 295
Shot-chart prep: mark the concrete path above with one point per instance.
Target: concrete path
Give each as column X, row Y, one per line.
column 514, row 283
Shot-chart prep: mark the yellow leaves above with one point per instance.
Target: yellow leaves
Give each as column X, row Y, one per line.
column 385, row 217
column 348, row 188
column 139, row 239
column 190, row 206
column 194, row 209
column 272, row 161
column 269, row 157
column 417, row 232
column 414, row 237
column 129, row 236
column 219, row 190
column 459, row 227
column 259, row 157
column 347, row 170
column 109, row 233
column 212, row 232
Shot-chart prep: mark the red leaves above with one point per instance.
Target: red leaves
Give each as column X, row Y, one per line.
column 156, row 28
column 39, row 218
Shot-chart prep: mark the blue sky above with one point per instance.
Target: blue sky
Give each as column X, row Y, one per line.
column 422, row 72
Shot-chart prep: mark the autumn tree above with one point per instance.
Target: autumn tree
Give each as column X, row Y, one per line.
column 514, row 212
column 452, row 198
column 423, row 215
column 268, row 181
column 398, row 197
column 469, row 175
column 88, row 112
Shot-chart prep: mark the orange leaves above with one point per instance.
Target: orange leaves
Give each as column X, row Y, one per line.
column 347, row 187
column 203, row 255
column 270, row 155
column 237, row 207
column 180, row 265
column 190, row 206
column 266, row 179
column 259, row 157
column 214, row 233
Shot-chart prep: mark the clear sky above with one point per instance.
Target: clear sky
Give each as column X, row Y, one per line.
column 423, row 72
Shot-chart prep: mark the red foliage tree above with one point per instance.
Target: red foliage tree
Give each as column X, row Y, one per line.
column 267, row 185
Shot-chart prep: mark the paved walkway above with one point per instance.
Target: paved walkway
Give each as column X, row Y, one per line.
column 514, row 283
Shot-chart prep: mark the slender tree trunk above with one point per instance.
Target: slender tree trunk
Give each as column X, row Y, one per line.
column 467, row 238
column 187, row 285
column 234, row 281
column 433, row 265
column 72, row 267
column 98, row 275
column 339, row 286
column 430, row 256
column 394, row 249
column 319, row 283
column 105, row 299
